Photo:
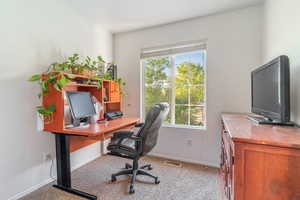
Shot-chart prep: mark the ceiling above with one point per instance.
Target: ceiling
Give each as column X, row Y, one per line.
column 126, row 15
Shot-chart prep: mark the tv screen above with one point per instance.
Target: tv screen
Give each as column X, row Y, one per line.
column 271, row 90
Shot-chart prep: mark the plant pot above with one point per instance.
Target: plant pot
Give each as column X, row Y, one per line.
column 93, row 73
column 84, row 71
column 77, row 70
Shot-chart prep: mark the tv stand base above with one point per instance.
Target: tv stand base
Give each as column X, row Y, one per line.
column 262, row 120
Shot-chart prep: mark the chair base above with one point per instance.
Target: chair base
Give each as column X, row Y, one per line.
column 134, row 171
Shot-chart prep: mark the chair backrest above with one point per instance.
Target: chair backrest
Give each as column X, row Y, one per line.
column 149, row 132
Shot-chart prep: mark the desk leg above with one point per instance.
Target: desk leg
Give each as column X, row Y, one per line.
column 63, row 167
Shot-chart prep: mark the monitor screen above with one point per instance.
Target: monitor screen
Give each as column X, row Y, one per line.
column 266, row 88
column 270, row 90
column 81, row 104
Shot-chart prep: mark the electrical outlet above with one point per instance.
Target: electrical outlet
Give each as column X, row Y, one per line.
column 47, row 156
column 189, row 142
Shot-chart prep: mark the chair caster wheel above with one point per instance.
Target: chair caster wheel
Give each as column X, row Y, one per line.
column 113, row 179
column 150, row 168
column 157, row 181
column 131, row 190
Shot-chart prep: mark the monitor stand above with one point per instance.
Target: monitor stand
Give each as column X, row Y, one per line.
column 76, row 122
column 79, row 123
column 264, row 120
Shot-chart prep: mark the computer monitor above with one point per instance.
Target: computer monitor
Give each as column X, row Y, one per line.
column 81, row 105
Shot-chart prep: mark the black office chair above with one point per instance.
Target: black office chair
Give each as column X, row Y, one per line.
column 132, row 146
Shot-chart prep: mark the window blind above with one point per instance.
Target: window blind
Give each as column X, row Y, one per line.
column 173, row 49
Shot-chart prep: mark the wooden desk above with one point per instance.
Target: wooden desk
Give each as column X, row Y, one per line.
column 93, row 133
column 259, row 161
column 96, row 130
column 69, row 140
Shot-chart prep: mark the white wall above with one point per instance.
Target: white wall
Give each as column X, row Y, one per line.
column 33, row 34
column 282, row 37
column 234, row 48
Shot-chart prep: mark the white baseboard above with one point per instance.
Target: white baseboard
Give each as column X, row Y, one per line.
column 206, row 163
column 43, row 183
column 31, row 189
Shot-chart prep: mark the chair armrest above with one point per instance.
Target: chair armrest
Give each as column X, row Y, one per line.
column 122, row 134
column 138, row 142
column 119, row 136
column 129, row 137
column 139, row 124
column 137, row 139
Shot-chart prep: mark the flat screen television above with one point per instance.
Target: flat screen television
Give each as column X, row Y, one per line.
column 270, row 92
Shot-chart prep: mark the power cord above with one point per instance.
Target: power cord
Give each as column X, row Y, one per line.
column 51, row 169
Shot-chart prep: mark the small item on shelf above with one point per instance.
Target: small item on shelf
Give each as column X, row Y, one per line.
column 80, row 81
column 87, row 82
column 112, row 70
column 113, row 115
column 105, row 99
column 92, row 82
column 98, row 107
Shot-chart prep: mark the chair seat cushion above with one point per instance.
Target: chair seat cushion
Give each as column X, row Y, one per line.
column 125, row 146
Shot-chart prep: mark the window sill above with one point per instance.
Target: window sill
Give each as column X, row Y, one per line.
column 184, row 126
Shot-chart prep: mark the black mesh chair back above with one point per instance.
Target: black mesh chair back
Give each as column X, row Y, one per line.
column 149, row 132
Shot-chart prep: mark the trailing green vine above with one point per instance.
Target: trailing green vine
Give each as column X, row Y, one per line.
column 46, row 111
column 58, row 80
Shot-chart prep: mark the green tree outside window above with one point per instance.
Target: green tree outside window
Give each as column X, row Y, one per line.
column 188, row 104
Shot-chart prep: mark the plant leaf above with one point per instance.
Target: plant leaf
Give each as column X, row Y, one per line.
column 52, row 108
column 44, row 85
column 52, row 79
column 100, row 59
column 63, row 81
column 43, row 111
column 45, row 92
column 56, row 86
column 35, row 77
column 71, row 76
column 99, row 84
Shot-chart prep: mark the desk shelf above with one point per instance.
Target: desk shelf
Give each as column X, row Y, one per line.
column 84, row 85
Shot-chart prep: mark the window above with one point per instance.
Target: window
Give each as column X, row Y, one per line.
column 177, row 77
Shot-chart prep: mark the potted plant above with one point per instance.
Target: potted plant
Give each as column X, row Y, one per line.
column 93, row 67
column 55, row 75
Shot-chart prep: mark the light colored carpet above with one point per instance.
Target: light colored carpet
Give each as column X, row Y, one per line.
column 189, row 182
column 57, row 194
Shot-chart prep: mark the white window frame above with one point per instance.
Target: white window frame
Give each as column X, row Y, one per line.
column 142, row 92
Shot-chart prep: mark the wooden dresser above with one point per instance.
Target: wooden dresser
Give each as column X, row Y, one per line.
column 259, row 162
